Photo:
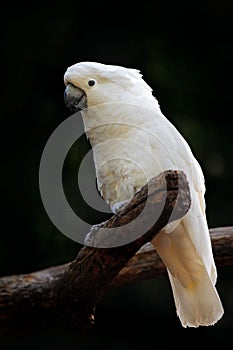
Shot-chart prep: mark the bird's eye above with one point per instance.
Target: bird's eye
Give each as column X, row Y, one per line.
column 91, row 82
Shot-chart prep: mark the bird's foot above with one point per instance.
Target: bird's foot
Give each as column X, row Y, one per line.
column 93, row 235
column 119, row 206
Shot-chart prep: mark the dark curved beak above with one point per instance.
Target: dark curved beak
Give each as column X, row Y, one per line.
column 75, row 98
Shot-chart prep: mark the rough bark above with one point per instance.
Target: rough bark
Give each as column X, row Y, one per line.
column 71, row 292
column 145, row 264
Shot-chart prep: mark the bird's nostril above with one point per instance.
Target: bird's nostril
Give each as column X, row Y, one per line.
column 70, row 84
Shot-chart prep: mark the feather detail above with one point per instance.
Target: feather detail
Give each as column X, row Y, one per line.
column 197, row 304
column 196, row 299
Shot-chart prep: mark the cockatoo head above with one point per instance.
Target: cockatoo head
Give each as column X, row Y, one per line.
column 89, row 84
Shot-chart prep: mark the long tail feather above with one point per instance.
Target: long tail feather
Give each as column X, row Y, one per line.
column 198, row 305
column 196, row 299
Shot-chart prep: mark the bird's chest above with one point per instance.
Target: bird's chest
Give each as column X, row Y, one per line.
column 124, row 161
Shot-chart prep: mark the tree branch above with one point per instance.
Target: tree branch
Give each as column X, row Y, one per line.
column 70, row 292
column 146, row 264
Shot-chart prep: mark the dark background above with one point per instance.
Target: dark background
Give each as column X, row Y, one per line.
column 184, row 50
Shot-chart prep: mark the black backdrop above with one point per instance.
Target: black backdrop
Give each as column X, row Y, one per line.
column 184, row 50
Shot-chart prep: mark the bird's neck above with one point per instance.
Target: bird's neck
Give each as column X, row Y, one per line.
column 115, row 118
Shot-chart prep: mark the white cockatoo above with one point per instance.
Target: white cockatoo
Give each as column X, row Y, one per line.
column 132, row 142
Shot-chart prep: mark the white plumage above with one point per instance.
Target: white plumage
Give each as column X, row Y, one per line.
column 133, row 142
